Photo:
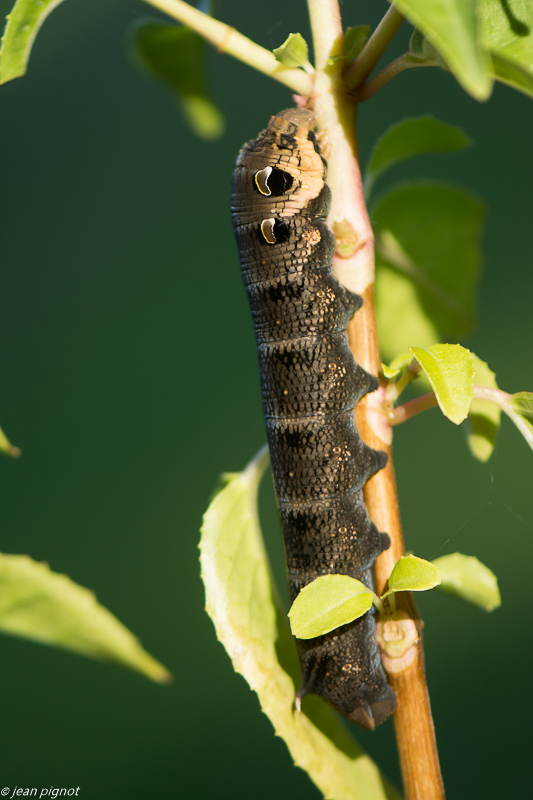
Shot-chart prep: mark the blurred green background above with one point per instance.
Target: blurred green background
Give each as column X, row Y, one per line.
column 129, row 380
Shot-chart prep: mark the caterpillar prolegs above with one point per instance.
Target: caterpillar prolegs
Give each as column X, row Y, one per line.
column 310, row 386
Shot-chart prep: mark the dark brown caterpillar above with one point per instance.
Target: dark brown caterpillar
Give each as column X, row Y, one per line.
column 311, row 384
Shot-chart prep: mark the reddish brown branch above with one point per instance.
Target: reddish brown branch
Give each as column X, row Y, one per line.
column 413, row 721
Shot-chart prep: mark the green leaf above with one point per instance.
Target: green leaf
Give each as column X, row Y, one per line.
column 397, row 365
column 469, row 579
column 243, row 604
column 47, row 607
column 428, row 260
column 176, row 55
column 412, row 137
column 452, row 28
column 483, row 420
column 522, row 402
column 450, row 370
column 293, row 52
column 327, row 603
column 507, row 33
column 519, row 409
column 412, row 574
column 355, row 39
column 21, row 29
column 6, row 447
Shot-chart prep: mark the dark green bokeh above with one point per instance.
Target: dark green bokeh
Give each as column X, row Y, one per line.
column 129, row 380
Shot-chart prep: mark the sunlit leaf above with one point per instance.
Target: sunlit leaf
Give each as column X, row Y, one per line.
column 176, row 56
column 327, row 603
column 22, row 27
column 450, row 371
column 507, row 32
column 242, row 602
column 412, row 137
column 466, row 577
column 293, row 52
column 452, row 28
column 397, row 365
column 47, row 607
column 483, row 420
column 428, row 260
column 412, row 574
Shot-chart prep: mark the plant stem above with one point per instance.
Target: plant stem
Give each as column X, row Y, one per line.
column 336, row 112
column 363, row 65
column 406, row 61
column 413, row 407
column 227, row 40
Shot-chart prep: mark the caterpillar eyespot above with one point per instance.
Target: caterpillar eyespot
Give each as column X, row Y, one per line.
column 310, row 386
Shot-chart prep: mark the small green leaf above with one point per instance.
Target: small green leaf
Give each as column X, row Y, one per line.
column 428, row 259
column 327, row 603
column 507, row 33
column 483, row 420
column 389, row 373
column 176, row 56
column 469, row 579
column 21, row 29
column 522, row 402
column 6, row 447
column 47, row 607
column 355, row 39
column 519, row 408
column 412, row 574
column 412, row 137
column 452, row 28
column 420, row 48
column 293, row 52
column 243, row 604
column 397, row 365
column 450, row 370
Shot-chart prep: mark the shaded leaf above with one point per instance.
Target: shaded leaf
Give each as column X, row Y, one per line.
column 22, row 27
column 412, row 137
column 176, row 55
column 412, row 574
column 293, row 52
column 452, row 28
column 428, row 260
column 519, row 407
column 420, row 48
column 507, row 32
column 450, row 370
column 327, row 603
column 243, row 604
column 355, row 39
column 483, row 420
column 522, row 402
column 466, row 577
column 47, row 607
column 6, row 447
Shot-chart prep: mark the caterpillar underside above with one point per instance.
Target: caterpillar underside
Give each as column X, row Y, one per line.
column 310, row 386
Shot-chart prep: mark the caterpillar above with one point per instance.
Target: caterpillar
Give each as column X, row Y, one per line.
column 310, row 386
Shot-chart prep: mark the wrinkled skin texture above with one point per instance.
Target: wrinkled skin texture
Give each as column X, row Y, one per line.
column 310, row 385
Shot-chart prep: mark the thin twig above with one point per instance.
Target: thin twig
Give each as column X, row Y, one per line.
column 367, row 59
column 227, row 40
column 406, row 61
column 412, row 408
column 336, row 111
